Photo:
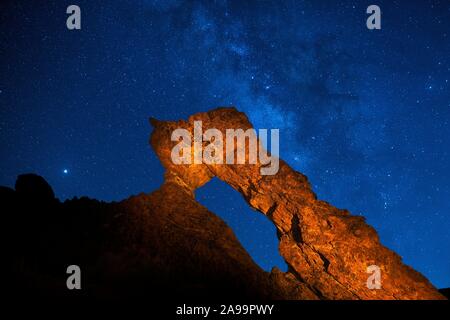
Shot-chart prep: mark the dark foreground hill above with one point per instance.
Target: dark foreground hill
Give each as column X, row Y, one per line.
column 445, row 292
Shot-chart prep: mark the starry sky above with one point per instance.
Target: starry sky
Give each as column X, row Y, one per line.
column 363, row 113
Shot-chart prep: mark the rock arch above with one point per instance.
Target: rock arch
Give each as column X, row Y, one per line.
column 327, row 250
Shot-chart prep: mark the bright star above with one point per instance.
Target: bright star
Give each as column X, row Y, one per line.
column 65, row 171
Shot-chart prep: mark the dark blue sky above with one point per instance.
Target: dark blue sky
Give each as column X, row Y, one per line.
column 364, row 114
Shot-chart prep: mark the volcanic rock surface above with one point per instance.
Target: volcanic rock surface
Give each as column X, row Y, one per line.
column 167, row 245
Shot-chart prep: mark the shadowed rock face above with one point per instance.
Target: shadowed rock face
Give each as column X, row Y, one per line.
column 445, row 292
column 159, row 246
column 165, row 245
column 327, row 249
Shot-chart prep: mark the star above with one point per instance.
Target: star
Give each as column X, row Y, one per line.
column 65, row 171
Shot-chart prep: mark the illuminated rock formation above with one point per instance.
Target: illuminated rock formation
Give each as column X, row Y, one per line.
column 165, row 246
column 327, row 249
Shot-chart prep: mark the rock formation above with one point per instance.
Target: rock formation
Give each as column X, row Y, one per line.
column 166, row 245
column 327, row 249
column 163, row 246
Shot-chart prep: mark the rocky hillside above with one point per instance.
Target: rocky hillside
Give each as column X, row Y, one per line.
column 167, row 244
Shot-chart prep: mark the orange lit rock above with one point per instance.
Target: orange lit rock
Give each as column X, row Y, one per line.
column 327, row 249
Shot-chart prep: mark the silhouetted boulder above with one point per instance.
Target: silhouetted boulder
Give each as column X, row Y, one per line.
column 33, row 186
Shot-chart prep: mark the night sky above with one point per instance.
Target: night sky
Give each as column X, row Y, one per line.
column 363, row 113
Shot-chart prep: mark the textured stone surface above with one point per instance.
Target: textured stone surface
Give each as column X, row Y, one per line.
column 327, row 249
